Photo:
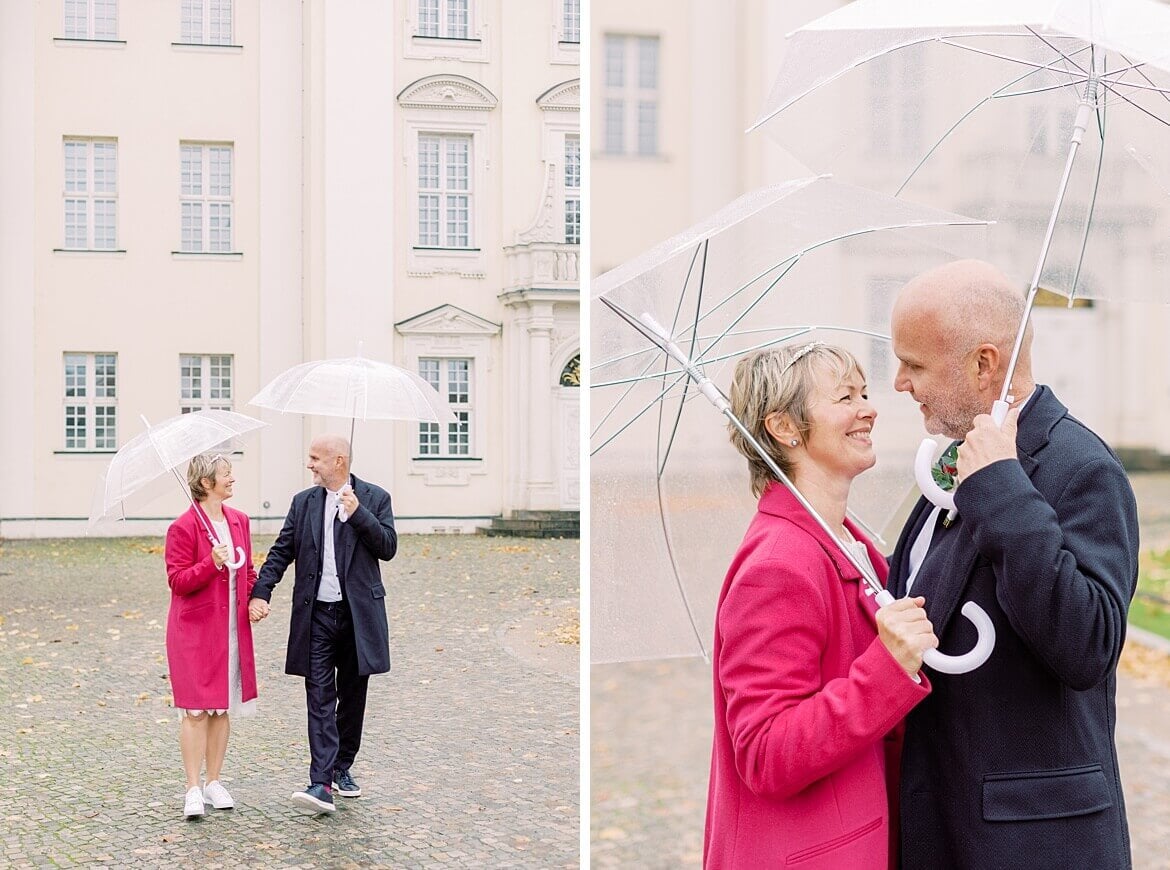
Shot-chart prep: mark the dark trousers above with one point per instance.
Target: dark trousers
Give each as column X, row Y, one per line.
column 334, row 693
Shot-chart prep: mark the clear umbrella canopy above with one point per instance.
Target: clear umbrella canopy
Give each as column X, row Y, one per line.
column 970, row 106
column 357, row 388
column 154, row 461
column 670, row 498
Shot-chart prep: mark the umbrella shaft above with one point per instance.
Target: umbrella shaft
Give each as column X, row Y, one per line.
column 1085, row 111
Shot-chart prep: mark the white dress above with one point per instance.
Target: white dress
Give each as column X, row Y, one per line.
column 237, row 706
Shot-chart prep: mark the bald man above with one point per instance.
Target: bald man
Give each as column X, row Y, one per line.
column 1013, row 764
column 336, row 531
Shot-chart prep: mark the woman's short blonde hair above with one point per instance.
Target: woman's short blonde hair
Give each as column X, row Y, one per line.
column 205, row 465
column 780, row 380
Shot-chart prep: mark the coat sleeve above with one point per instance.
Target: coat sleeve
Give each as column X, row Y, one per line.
column 186, row 573
column 280, row 556
column 1065, row 572
column 789, row 727
column 374, row 524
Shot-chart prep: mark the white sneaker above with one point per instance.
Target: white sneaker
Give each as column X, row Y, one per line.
column 193, row 802
column 216, row 795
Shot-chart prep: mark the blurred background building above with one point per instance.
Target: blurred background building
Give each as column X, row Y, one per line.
column 199, row 194
column 675, row 85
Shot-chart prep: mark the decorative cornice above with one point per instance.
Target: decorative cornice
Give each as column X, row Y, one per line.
column 565, row 97
column 447, row 92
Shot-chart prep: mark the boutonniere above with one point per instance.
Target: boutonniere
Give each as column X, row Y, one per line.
column 946, row 468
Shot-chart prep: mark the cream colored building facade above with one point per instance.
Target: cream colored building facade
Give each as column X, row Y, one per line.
column 197, row 200
column 713, row 65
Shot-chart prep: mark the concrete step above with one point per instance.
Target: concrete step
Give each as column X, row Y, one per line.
column 536, row 524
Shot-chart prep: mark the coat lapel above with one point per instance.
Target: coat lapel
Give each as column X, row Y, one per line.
column 315, row 517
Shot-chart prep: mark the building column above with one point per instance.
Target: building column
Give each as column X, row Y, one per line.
column 540, row 487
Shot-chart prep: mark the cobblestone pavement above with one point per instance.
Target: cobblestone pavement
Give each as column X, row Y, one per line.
column 471, row 746
column 651, row 731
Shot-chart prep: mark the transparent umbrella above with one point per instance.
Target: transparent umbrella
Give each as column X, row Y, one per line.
column 355, row 387
column 149, row 462
column 1051, row 117
column 669, row 495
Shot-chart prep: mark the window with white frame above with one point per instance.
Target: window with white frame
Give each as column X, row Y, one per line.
column 451, row 378
column 205, row 382
column 444, row 191
column 91, row 194
column 91, row 19
column 630, row 99
column 445, row 19
column 571, row 21
column 91, row 406
column 205, row 198
column 206, row 22
column 572, row 190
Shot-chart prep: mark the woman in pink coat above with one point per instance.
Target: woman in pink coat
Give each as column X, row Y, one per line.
column 811, row 681
column 209, row 637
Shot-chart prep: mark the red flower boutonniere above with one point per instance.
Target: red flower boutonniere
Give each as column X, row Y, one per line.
column 946, row 468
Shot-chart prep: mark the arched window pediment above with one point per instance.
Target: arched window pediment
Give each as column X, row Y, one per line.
column 447, row 92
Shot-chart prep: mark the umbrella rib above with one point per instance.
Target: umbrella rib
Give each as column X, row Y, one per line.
column 748, row 310
column 1035, row 65
column 630, row 319
column 804, row 330
column 1066, row 56
column 1136, row 106
column 943, row 138
column 625, row 315
column 797, row 331
column 687, row 386
column 662, row 518
column 1138, row 68
column 850, row 235
column 862, row 61
column 785, row 264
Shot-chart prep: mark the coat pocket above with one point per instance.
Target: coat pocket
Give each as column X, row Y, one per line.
column 833, row 844
column 1045, row 794
column 378, row 591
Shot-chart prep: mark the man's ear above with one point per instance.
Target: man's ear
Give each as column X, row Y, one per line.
column 987, row 362
column 779, row 426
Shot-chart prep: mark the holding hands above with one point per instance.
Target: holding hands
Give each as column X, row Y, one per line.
column 906, row 632
column 257, row 609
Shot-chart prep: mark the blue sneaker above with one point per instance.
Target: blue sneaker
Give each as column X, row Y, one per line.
column 344, row 785
column 314, row 799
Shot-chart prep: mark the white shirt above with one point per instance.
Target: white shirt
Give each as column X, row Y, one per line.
column 330, row 588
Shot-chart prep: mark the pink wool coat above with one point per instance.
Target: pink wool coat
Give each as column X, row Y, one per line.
column 197, row 624
column 808, row 704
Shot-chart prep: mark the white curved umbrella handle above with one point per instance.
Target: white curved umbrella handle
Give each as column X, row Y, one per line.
column 923, row 463
column 968, row 661
column 240, row 559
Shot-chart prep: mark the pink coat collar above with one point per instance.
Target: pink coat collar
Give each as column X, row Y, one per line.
column 778, row 501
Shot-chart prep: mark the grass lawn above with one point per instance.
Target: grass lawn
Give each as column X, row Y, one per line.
column 1151, row 606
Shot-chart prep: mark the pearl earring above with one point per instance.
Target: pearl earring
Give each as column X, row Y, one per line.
column 793, row 442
